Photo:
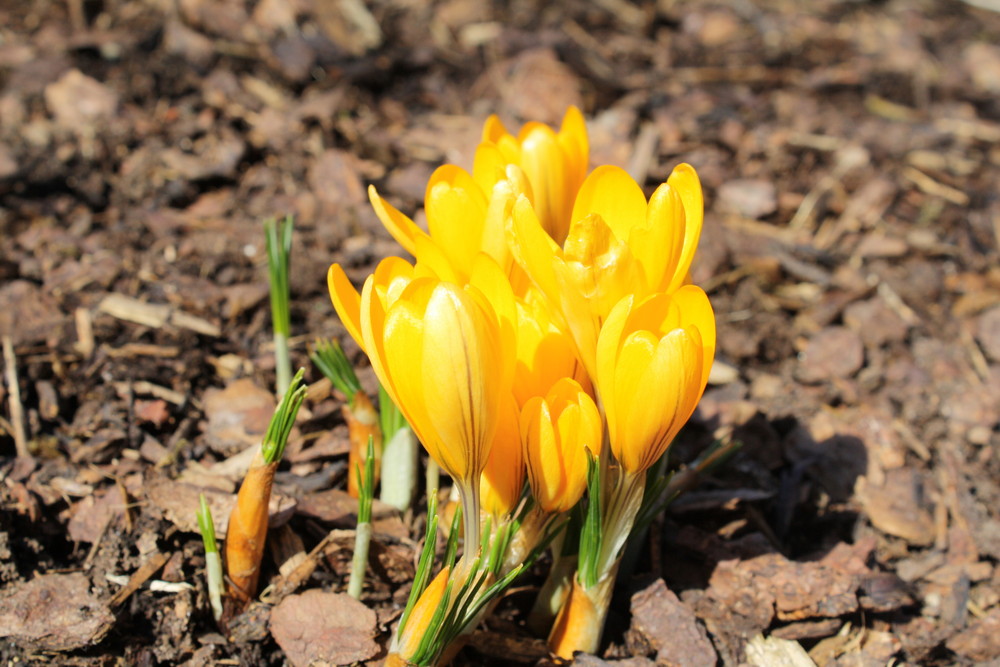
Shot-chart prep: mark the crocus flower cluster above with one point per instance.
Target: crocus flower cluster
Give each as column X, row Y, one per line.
column 546, row 346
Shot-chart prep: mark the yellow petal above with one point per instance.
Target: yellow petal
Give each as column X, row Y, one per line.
column 456, row 211
column 575, row 145
column 503, row 477
column 532, row 248
column 493, row 129
column 684, row 179
column 346, row 301
column 545, row 352
column 543, row 164
column 606, row 356
column 463, row 366
column 615, row 196
column 404, row 230
column 657, row 243
column 488, row 166
column 696, row 310
column 420, row 617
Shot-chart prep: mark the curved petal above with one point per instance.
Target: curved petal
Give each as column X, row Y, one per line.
column 608, row 344
column 532, row 248
column 615, row 196
column 684, row 179
column 346, row 301
column 503, row 477
column 697, row 310
column 456, row 211
column 657, row 243
column 575, row 144
column 493, row 129
column 543, row 164
column 404, row 230
column 488, row 166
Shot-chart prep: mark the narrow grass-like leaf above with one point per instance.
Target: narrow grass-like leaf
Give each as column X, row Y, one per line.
column 328, row 356
column 276, row 437
column 278, row 240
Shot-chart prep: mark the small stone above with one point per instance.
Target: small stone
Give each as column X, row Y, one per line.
column 982, row 62
column 834, row 352
column 988, row 332
column 77, row 100
column 751, row 198
column 875, row 322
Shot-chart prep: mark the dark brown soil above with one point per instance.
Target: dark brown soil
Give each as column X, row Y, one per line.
column 850, row 153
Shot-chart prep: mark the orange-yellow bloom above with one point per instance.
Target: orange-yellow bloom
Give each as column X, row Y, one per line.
column 618, row 244
column 503, row 478
column 555, row 164
column 653, row 360
column 557, row 431
column 417, row 622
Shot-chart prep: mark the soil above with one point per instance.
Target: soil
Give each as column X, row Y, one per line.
column 850, row 153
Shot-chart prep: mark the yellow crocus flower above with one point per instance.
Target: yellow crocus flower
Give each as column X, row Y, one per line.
column 444, row 353
column 555, row 164
column 653, row 360
column 618, row 244
column 557, row 431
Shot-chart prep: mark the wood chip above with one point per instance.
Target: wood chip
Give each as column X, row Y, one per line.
column 153, row 315
column 670, row 628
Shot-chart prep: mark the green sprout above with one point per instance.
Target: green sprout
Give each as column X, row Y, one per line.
column 278, row 238
column 213, row 562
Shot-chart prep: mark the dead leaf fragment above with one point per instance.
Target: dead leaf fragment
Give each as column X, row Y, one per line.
column 178, row 502
column 320, row 627
column 54, row 612
column 237, row 415
column 895, row 507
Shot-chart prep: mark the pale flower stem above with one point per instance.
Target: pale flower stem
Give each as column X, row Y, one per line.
column 620, row 511
column 554, row 591
column 213, row 570
column 359, row 563
column 432, row 477
column 470, row 517
column 282, row 364
column 399, row 469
